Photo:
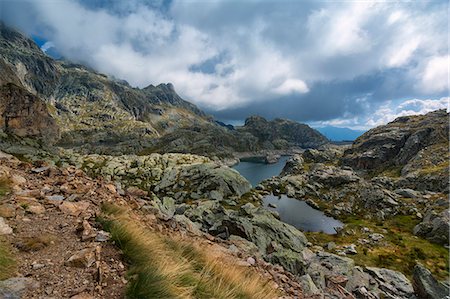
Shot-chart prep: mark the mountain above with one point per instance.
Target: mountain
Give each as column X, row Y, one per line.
column 93, row 111
column 340, row 134
column 282, row 133
column 96, row 113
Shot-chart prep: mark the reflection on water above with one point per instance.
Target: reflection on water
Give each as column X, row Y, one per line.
column 256, row 172
column 299, row 214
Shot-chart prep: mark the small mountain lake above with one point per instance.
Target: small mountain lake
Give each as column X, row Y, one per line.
column 300, row 215
column 256, row 172
column 292, row 211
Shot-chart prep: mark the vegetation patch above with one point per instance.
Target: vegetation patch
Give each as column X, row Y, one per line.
column 7, row 262
column 4, row 186
column 166, row 267
column 399, row 249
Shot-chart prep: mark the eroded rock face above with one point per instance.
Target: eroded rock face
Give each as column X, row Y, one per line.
column 435, row 227
column 181, row 176
column 281, row 132
column 426, row 286
column 398, row 142
column 25, row 115
column 277, row 241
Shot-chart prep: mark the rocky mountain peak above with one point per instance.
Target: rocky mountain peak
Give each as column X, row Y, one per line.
column 25, row 115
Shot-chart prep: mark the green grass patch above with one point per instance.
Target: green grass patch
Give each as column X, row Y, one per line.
column 7, row 262
column 399, row 250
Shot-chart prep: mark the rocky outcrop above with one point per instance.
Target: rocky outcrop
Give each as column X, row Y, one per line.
column 25, row 115
column 435, row 227
column 398, row 142
column 181, row 176
column 282, row 133
column 426, row 286
column 342, row 190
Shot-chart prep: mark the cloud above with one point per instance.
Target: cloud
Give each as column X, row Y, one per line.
column 306, row 60
column 47, row 45
column 292, row 86
column 436, row 74
column 388, row 112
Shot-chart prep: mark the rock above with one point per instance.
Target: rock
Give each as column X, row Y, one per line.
column 26, row 115
column 426, row 286
column 40, row 169
column 5, row 229
column 55, row 198
column 251, row 261
column 36, row 208
column 330, row 246
column 272, row 205
column 167, row 208
column 350, row 249
column 111, row 188
column 319, row 156
column 74, row 208
column 398, row 142
column 248, row 208
column 376, row 237
column 193, row 228
column 82, row 296
column 408, row 193
column 134, row 191
column 271, row 158
column 391, row 282
column 282, row 132
column 435, row 227
column 308, row 286
column 215, row 195
column 18, row 180
column 7, row 210
column 37, row 266
column 333, row 176
column 16, row 287
column 82, row 259
column 87, row 231
column 102, row 236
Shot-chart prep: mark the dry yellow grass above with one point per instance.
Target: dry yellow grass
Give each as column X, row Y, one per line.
column 168, row 267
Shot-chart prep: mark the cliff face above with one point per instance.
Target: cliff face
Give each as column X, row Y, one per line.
column 25, row 115
column 282, row 133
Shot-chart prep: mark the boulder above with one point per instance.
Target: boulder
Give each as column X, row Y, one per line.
column 74, row 208
column 82, row 259
column 5, row 229
column 392, row 283
column 426, row 286
column 435, row 227
column 16, row 287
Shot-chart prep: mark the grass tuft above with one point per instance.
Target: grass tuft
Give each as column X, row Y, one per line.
column 168, row 267
column 7, row 262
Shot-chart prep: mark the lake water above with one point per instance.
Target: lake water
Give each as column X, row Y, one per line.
column 300, row 215
column 256, row 172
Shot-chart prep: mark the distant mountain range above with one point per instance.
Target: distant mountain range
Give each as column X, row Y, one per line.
column 340, row 134
column 95, row 113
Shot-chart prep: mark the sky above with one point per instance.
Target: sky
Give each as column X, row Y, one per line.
column 355, row 64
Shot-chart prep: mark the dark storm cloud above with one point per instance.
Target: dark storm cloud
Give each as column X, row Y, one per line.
column 305, row 60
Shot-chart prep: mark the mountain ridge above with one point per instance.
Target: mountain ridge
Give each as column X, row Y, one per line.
column 98, row 114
